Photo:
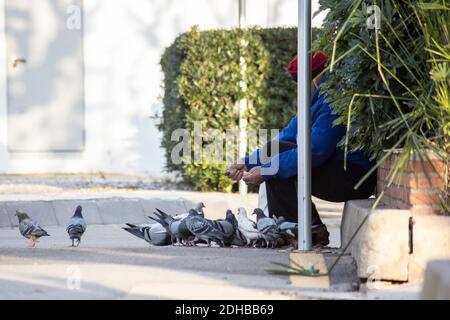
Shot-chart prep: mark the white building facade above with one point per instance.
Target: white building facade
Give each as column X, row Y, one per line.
column 80, row 81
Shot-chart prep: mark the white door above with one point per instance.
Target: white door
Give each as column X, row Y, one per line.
column 45, row 75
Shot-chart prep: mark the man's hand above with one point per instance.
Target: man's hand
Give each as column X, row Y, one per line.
column 236, row 171
column 253, row 176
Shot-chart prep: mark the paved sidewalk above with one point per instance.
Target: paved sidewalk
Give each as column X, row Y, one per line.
column 112, row 264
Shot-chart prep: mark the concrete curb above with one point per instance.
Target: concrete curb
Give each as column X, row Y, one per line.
column 115, row 207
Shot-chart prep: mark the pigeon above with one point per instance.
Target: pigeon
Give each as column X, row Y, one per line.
column 239, row 239
column 288, row 230
column 267, row 227
column 247, row 229
column 155, row 234
column 203, row 229
column 227, row 227
column 30, row 229
column 76, row 227
column 176, row 228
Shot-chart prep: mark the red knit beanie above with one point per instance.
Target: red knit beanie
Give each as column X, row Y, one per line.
column 318, row 64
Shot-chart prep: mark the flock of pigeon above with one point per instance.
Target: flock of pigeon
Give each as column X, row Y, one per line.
column 188, row 229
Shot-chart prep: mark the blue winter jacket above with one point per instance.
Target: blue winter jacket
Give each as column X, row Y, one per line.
column 324, row 140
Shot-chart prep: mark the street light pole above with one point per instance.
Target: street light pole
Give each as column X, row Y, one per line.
column 304, row 125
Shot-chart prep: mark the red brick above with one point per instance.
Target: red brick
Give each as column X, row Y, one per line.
column 386, row 164
column 382, row 174
column 433, row 181
column 387, row 201
column 380, row 187
column 399, row 204
column 390, row 202
column 420, row 181
column 423, row 210
column 399, row 193
column 417, row 197
column 431, row 166
column 419, row 188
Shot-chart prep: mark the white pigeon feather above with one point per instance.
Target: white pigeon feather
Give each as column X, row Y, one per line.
column 247, row 227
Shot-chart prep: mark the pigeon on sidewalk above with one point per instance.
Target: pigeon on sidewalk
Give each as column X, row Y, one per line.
column 203, row 229
column 267, row 227
column 76, row 226
column 239, row 239
column 288, row 230
column 30, row 229
column 154, row 234
column 227, row 227
column 247, row 229
column 175, row 228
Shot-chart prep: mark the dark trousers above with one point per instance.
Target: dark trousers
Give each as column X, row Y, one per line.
column 329, row 182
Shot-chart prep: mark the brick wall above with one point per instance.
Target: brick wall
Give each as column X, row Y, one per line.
column 419, row 189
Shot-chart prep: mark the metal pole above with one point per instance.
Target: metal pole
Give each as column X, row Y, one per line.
column 243, row 102
column 242, row 13
column 304, row 124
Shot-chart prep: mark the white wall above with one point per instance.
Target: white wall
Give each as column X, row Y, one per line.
column 3, row 129
column 272, row 13
column 124, row 41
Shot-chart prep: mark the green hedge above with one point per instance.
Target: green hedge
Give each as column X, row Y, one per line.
column 202, row 75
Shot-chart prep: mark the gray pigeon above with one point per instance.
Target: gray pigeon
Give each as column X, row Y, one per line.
column 30, row 229
column 239, row 239
column 247, row 229
column 288, row 231
column 177, row 230
column 154, row 234
column 267, row 227
column 76, row 226
column 227, row 227
column 203, row 230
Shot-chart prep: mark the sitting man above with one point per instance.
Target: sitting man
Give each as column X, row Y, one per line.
column 331, row 181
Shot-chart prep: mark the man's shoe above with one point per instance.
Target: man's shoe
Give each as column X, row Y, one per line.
column 320, row 235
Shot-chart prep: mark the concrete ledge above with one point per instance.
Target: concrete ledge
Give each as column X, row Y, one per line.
column 431, row 241
column 381, row 247
column 115, row 207
column 394, row 245
column 437, row 281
